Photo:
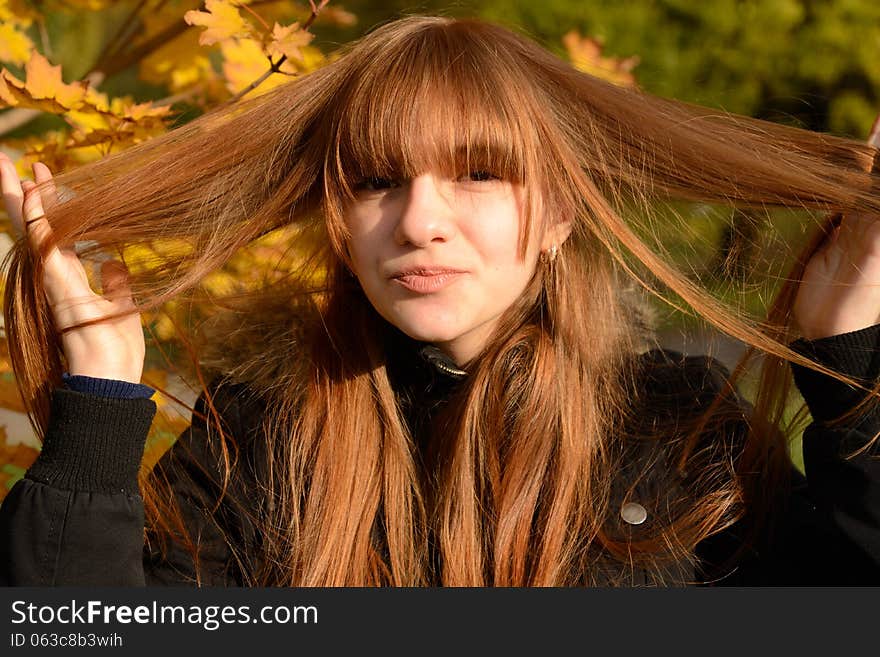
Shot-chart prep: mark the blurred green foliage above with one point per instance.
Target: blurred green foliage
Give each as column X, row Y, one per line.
column 811, row 63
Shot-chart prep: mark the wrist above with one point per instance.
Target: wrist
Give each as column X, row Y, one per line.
column 129, row 375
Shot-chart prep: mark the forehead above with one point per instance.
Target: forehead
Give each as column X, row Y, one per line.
column 426, row 107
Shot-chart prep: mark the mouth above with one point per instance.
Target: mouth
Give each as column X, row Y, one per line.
column 426, row 280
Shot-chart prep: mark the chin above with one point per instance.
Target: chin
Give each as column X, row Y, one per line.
column 426, row 332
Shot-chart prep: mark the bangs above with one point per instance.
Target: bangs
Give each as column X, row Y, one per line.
column 441, row 102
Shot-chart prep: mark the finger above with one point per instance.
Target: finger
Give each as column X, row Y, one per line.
column 115, row 281
column 39, row 232
column 13, row 194
column 859, row 240
column 36, row 226
column 43, row 177
column 874, row 135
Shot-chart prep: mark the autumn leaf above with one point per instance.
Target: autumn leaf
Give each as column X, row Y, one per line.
column 288, row 41
column 48, row 148
column 44, row 81
column 222, row 21
column 7, row 95
column 245, row 60
column 585, row 54
column 15, row 45
column 124, row 123
column 128, row 109
column 179, row 63
column 43, row 88
column 166, row 427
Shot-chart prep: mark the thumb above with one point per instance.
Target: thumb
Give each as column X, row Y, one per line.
column 874, row 134
column 115, row 280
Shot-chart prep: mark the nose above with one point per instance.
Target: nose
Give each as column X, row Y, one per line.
column 427, row 215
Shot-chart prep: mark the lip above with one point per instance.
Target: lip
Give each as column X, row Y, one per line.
column 425, row 280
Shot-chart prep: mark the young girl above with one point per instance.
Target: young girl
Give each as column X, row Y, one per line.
column 458, row 385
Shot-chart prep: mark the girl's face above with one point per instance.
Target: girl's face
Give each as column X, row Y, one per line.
column 439, row 258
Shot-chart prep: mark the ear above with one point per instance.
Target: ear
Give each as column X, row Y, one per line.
column 556, row 234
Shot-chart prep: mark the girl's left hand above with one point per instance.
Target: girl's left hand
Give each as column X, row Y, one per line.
column 840, row 289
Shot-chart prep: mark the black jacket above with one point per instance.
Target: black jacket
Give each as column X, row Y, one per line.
column 77, row 517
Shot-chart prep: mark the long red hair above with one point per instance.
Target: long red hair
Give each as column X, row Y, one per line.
column 529, row 451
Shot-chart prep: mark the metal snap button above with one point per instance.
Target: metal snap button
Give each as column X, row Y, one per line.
column 633, row 513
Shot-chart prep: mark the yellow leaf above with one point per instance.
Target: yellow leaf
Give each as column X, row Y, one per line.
column 585, row 54
column 179, row 71
column 44, row 81
column 222, row 21
column 43, row 89
column 312, row 59
column 288, row 41
column 221, row 283
column 126, row 108
column 124, row 124
column 179, row 64
column 48, row 148
column 164, row 328
column 155, row 378
column 97, row 99
column 245, row 61
column 7, row 97
column 15, row 92
column 15, row 46
column 88, row 120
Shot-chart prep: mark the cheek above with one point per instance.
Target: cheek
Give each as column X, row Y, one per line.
column 363, row 261
column 364, row 243
column 499, row 248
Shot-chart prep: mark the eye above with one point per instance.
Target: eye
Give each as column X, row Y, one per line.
column 481, row 176
column 375, row 184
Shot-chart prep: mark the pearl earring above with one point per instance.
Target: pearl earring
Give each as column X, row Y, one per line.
column 549, row 255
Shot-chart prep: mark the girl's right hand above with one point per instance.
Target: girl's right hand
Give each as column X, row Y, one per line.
column 112, row 349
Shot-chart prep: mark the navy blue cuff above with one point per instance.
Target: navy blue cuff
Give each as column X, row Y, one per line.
column 107, row 387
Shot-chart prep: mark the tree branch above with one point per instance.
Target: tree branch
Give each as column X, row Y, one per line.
column 173, row 30
column 112, row 46
column 275, row 67
column 15, row 118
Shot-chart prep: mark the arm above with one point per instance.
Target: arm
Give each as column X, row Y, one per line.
column 77, row 518
column 845, row 490
column 824, row 529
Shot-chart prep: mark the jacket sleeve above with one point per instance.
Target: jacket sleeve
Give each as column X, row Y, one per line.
column 842, row 465
column 77, row 517
column 825, row 523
